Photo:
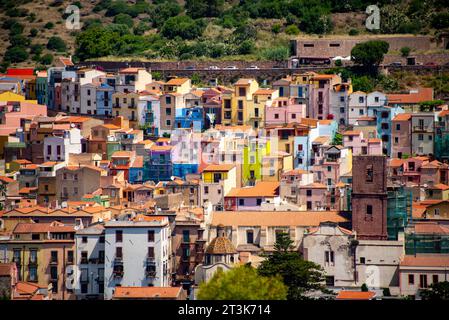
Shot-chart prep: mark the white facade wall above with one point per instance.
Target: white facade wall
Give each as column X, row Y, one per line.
column 93, row 271
column 135, row 246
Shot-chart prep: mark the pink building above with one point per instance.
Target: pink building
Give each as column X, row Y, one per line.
column 360, row 145
column 282, row 114
column 401, row 134
column 12, row 113
column 313, row 197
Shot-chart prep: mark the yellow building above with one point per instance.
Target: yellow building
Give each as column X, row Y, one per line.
column 256, row 111
column 178, row 85
column 126, row 105
column 238, row 106
column 8, row 96
column 42, row 252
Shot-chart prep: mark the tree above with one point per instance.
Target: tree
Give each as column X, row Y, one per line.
column 242, row 283
column 95, row 42
column 364, row 288
column 338, row 139
column 299, row 275
column 56, row 44
column 204, row 8
column 182, row 26
column 437, row 291
column 370, row 53
column 49, row 25
column 16, row 54
column 46, row 59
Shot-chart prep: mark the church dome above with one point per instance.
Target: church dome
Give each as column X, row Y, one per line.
column 221, row 245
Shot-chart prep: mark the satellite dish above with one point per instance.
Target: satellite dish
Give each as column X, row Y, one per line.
column 64, row 204
column 172, row 178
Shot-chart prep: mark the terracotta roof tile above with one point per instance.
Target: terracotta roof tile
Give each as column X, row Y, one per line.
column 355, row 295
column 426, row 260
column 275, row 218
column 261, row 189
column 147, row 292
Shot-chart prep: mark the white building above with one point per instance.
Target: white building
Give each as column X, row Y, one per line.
column 349, row 262
column 90, row 258
column 357, row 107
column 61, row 144
column 137, row 253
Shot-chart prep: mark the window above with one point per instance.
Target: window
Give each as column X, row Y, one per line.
column 330, row 281
column 102, row 239
column 118, row 236
column 411, row 279
column 54, row 256
column 242, row 92
column 206, row 190
column 276, row 115
column 369, row 173
column 361, row 99
column 420, row 137
column 369, row 209
column 241, row 202
column 435, row 278
column 329, row 258
column 309, row 205
column 33, row 256
column 362, row 260
column 258, row 201
column 168, row 111
column 84, row 257
column 361, row 112
column 54, row 274
column 118, row 252
column 70, row 256
column 35, row 236
column 423, row 281
column 150, row 235
column 167, row 100
column 186, row 236
column 84, row 239
column 150, row 252
column 396, row 140
column 398, row 127
column 32, row 273
column 249, row 236
column 309, row 192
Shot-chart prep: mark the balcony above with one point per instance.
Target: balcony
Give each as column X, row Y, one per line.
column 84, row 260
column 53, row 261
column 32, row 261
column 118, row 272
column 422, row 129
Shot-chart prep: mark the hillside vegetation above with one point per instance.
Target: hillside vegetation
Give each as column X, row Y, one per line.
column 33, row 32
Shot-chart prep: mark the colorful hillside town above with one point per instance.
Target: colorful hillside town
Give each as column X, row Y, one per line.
column 116, row 186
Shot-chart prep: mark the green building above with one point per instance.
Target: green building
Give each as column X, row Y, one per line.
column 399, row 210
column 253, row 153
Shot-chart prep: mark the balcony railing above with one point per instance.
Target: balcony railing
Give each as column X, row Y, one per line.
column 53, row 261
column 422, row 129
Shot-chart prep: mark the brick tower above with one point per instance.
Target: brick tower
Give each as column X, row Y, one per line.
column 369, row 197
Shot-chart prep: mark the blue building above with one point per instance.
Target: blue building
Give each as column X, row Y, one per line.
column 189, row 118
column 182, row 169
column 384, row 116
column 104, row 99
column 158, row 164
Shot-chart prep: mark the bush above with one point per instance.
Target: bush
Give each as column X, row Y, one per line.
column 276, row 54
column 19, row 41
column 140, row 28
column 16, row 54
column 33, row 32
column 353, row 32
column 405, row 51
column 276, row 28
column 440, row 20
column 292, row 30
column 183, row 27
column 36, row 49
column 125, row 19
column 46, row 59
column 49, row 25
column 246, row 47
column 245, row 32
column 56, row 44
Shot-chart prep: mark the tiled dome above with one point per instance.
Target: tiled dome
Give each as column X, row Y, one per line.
column 221, row 245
